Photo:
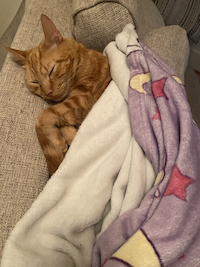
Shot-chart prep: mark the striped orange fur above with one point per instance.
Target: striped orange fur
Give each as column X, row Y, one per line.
column 67, row 72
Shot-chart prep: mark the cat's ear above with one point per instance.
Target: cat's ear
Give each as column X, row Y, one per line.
column 52, row 35
column 19, row 56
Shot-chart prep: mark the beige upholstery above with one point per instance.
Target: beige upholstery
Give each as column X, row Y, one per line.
column 97, row 22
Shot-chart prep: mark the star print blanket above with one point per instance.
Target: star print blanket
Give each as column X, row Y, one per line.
column 165, row 229
column 127, row 192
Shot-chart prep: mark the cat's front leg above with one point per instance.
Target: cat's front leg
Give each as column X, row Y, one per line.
column 52, row 141
column 57, row 126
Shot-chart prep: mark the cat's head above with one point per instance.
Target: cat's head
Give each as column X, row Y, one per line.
column 49, row 67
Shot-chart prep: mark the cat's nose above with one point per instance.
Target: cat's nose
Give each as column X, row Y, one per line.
column 50, row 94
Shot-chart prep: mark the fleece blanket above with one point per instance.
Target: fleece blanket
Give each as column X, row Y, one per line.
column 165, row 229
column 127, row 192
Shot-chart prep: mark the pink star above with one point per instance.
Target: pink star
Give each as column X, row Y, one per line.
column 158, row 88
column 157, row 115
column 178, row 184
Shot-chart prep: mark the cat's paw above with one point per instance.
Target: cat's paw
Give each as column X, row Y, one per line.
column 54, row 150
column 52, row 142
column 68, row 133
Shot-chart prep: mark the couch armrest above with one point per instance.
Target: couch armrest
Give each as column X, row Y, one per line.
column 23, row 171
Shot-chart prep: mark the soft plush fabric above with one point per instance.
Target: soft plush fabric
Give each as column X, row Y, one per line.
column 97, row 22
column 185, row 13
column 23, row 171
column 165, row 229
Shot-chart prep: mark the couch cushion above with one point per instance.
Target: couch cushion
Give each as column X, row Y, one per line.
column 95, row 27
column 96, row 22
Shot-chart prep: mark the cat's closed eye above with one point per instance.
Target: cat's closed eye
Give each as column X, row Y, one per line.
column 34, row 82
column 51, row 72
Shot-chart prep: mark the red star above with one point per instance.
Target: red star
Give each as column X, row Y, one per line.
column 178, row 184
column 157, row 115
column 181, row 257
column 158, row 88
column 104, row 263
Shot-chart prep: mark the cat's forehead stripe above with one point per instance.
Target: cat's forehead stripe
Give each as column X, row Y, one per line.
column 36, row 63
column 34, row 60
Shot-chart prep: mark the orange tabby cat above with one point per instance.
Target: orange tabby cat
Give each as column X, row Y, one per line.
column 65, row 71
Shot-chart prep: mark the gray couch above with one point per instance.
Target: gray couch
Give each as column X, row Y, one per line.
column 23, row 170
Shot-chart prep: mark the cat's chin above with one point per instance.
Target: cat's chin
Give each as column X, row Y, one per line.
column 60, row 95
column 59, row 98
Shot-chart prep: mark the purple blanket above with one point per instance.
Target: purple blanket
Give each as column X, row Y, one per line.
column 165, row 229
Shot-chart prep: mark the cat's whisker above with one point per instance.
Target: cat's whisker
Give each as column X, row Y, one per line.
column 75, row 71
